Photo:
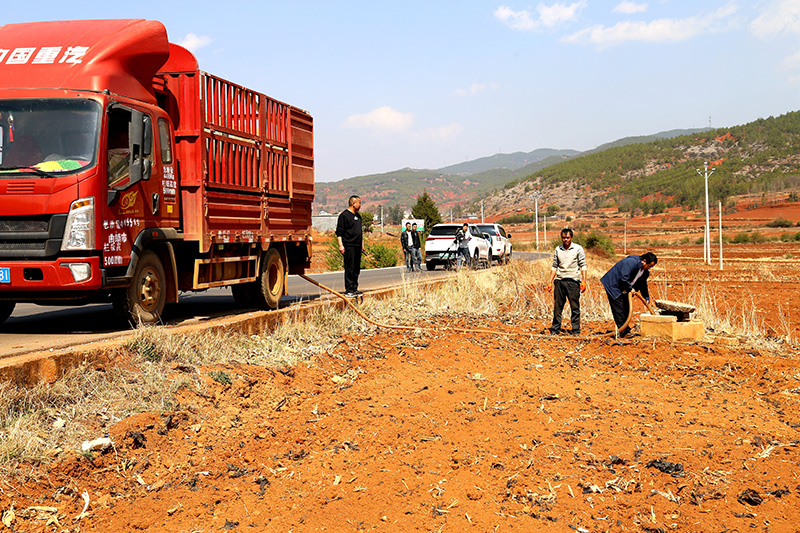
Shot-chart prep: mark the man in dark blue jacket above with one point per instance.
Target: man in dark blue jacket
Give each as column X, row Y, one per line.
column 627, row 276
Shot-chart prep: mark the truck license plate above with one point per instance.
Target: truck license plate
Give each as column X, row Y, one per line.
column 5, row 275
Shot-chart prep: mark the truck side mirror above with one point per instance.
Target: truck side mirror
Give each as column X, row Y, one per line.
column 147, row 142
column 141, row 145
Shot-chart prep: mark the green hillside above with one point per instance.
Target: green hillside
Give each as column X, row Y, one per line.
column 641, row 139
column 663, row 173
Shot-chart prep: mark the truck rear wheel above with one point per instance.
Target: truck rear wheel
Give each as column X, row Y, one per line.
column 6, row 308
column 271, row 281
column 143, row 301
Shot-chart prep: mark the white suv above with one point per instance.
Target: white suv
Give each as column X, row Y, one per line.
column 441, row 247
column 501, row 242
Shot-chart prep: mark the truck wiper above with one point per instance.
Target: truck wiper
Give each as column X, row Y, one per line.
column 37, row 171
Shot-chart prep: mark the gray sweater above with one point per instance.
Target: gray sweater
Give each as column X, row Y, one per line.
column 568, row 264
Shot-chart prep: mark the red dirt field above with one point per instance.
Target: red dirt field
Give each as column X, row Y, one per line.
column 441, row 431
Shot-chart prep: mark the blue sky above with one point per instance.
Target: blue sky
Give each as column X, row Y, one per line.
column 426, row 84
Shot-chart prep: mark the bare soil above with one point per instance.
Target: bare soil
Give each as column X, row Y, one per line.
column 445, row 431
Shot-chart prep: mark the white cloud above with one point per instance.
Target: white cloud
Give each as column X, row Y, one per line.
column 381, row 119
column 517, row 20
column 476, row 88
column 194, row 42
column 779, row 16
column 545, row 16
column 792, row 62
column 657, row 31
column 558, row 13
column 629, row 8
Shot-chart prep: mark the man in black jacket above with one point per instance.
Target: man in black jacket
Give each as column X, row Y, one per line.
column 416, row 249
column 351, row 244
column 406, row 241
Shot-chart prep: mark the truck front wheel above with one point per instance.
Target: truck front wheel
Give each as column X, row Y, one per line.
column 143, row 301
column 271, row 280
column 6, row 308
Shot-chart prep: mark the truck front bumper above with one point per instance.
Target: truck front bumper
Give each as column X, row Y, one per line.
column 58, row 279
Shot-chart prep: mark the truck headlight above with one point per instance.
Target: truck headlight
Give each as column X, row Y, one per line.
column 79, row 231
column 80, row 271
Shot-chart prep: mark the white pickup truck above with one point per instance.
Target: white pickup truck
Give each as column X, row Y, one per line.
column 441, row 247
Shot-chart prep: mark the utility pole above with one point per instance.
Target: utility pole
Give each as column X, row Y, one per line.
column 707, row 235
column 625, row 239
column 544, row 223
column 381, row 218
column 481, row 211
column 536, row 196
column 720, row 234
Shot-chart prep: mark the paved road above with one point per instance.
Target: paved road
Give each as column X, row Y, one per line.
column 33, row 327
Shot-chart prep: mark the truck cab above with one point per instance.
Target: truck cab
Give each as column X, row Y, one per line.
column 128, row 175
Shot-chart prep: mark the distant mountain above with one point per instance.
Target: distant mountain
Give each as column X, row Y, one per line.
column 646, row 138
column 461, row 183
column 513, row 161
column 401, row 187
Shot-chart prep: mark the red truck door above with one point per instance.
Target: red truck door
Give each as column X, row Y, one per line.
column 139, row 195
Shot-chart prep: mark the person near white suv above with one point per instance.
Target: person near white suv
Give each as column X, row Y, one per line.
column 442, row 247
column 462, row 238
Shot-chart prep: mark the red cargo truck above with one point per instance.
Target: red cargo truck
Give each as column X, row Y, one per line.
column 128, row 175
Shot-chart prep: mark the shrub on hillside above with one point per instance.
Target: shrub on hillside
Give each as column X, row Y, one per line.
column 597, row 242
column 741, row 238
column 780, row 222
column 519, row 218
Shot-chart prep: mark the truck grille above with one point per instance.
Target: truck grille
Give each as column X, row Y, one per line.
column 7, row 225
column 31, row 237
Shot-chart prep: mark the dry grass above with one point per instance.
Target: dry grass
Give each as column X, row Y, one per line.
column 740, row 320
column 35, row 422
column 82, row 405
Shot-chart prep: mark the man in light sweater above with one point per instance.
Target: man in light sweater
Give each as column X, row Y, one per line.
column 568, row 279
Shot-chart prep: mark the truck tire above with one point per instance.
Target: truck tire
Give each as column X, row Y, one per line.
column 270, row 281
column 143, row 301
column 430, row 266
column 6, row 308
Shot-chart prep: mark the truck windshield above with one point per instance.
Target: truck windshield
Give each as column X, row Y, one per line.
column 47, row 137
